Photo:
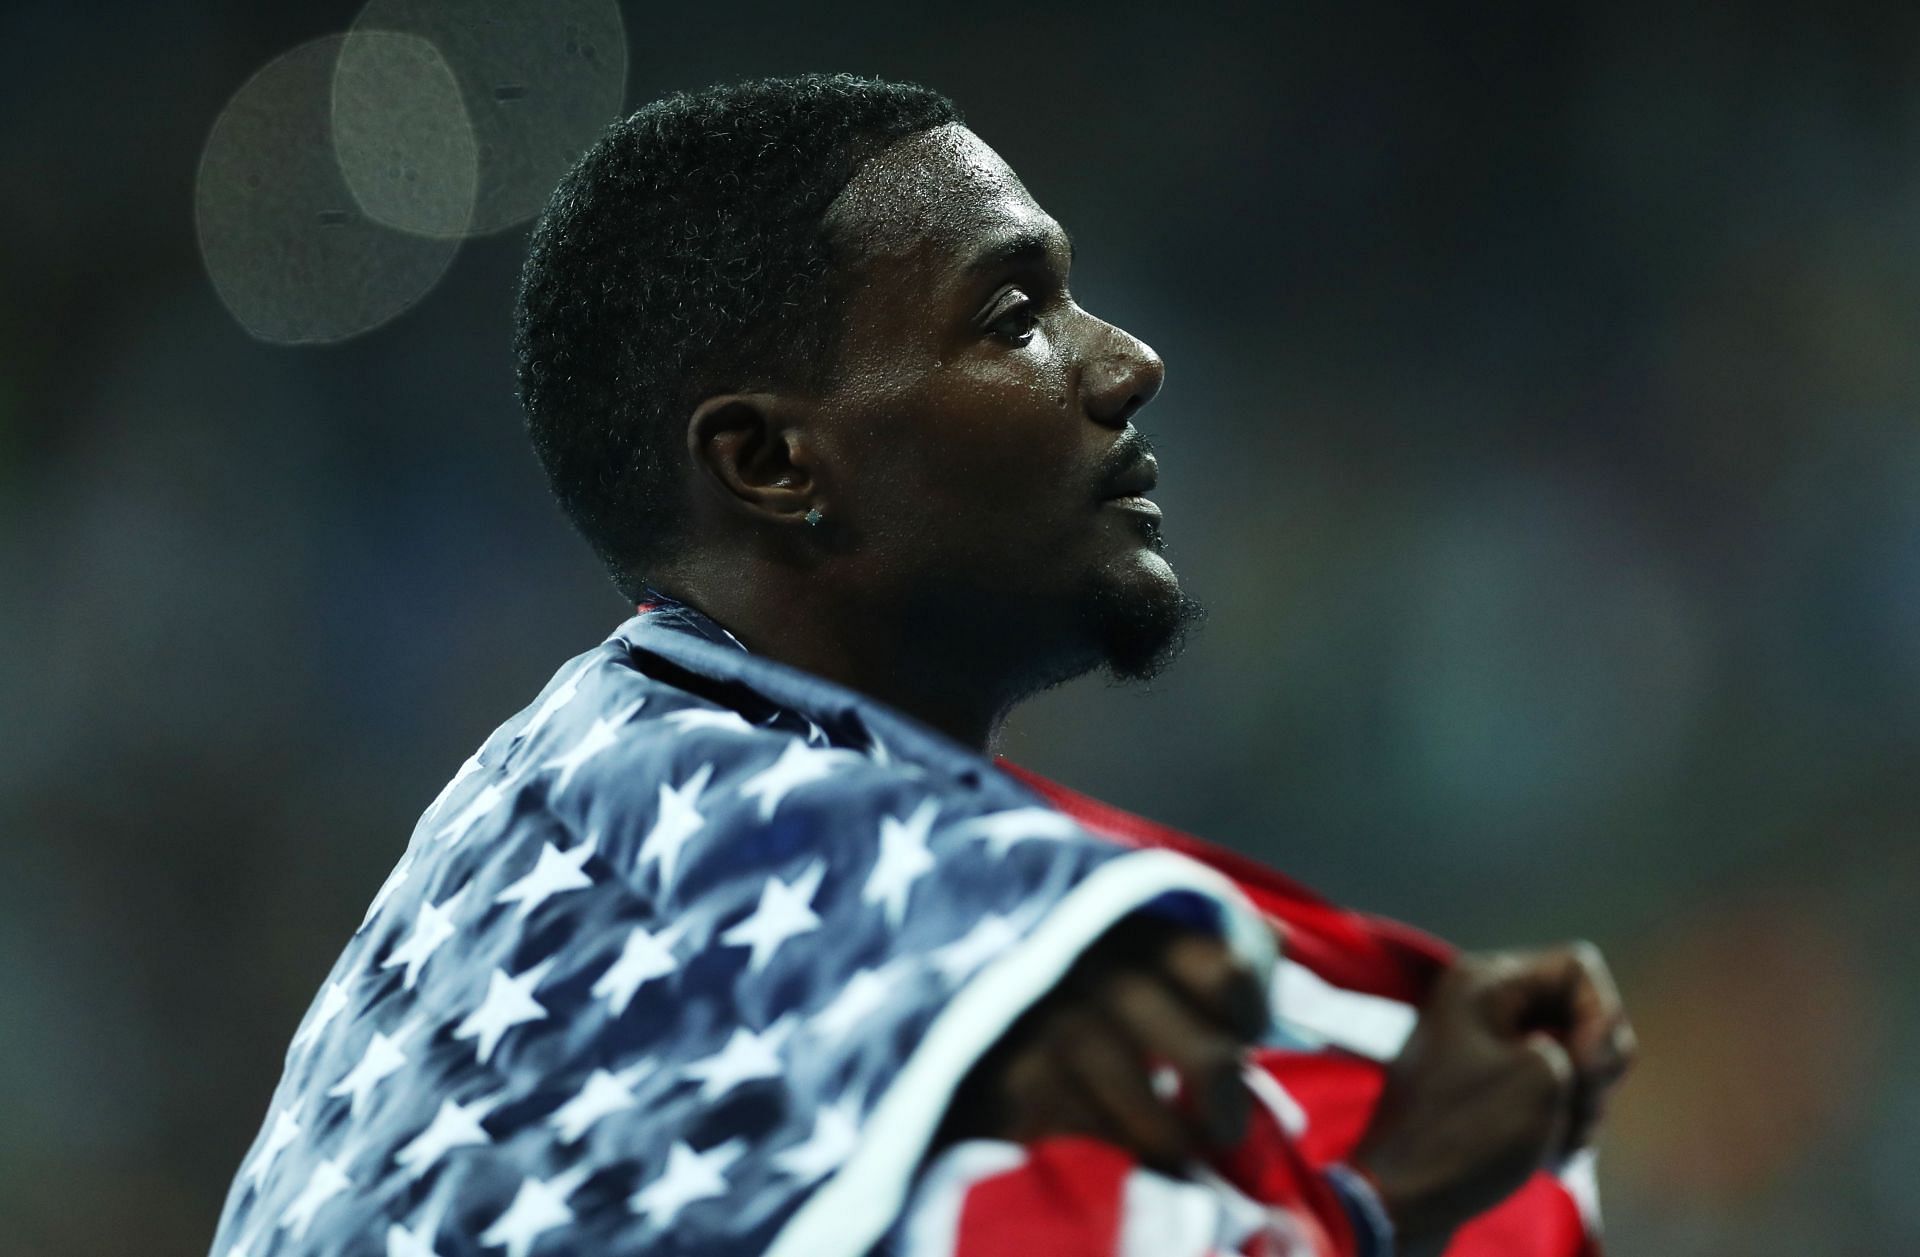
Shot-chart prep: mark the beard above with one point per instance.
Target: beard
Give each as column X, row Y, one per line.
column 1128, row 617
column 1139, row 620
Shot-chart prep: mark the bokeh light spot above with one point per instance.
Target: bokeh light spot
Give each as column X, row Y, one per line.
column 401, row 134
column 540, row 82
column 289, row 250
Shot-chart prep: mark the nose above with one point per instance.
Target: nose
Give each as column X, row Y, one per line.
column 1121, row 376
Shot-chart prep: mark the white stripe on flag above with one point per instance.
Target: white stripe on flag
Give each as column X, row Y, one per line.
column 1163, row 1217
column 1577, row 1175
column 1371, row 1025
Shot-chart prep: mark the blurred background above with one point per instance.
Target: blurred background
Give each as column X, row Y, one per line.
column 1542, row 427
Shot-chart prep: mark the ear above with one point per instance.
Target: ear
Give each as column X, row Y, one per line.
column 747, row 451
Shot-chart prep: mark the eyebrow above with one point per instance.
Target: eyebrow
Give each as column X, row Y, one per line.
column 1020, row 245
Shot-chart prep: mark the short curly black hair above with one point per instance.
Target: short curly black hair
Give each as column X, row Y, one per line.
column 684, row 255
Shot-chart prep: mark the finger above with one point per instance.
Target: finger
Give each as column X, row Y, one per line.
column 1566, row 991
column 1604, row 1063
column 1598, row 1037
column 1626, row 1044
column 1594, row 1010
column 1212, row 979
column 1160, row 1024
column 1497, row 988
column 1554, row 1082
column 1039, row 1099
column 1097, row 1057
column 1592, row 1092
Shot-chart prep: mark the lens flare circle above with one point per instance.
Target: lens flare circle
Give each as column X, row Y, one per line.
column 539, row 81
column 289, row 249
column 401, row 134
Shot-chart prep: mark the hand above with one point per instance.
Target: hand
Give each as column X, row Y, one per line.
column 1082, row 1060
column 1510, row 1065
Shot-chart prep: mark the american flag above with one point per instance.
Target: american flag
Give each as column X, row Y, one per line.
column 685, row 959
column 691, row 954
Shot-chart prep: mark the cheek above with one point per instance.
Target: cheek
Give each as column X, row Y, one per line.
column 1023, row 470
column 1012, row 429
column 977, row 438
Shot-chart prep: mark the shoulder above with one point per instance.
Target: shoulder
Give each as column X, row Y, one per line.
column 610, row 751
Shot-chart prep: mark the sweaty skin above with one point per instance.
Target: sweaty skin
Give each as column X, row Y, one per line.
column 976, row 474
column 965, row 557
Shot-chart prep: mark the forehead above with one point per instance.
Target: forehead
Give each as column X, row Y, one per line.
column 921, row 208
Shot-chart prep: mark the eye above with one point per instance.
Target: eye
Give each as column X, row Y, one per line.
column 1021, row 315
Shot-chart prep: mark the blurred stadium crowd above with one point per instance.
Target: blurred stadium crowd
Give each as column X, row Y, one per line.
column 1542, row 428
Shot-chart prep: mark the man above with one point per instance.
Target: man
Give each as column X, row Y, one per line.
column 736, row 940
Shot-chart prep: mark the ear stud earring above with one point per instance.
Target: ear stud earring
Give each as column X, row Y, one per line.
column 813, row 516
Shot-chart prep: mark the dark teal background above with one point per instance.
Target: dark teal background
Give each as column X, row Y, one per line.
column 1542, row 426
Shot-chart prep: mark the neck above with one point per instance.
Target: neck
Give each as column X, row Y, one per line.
column 941, row 668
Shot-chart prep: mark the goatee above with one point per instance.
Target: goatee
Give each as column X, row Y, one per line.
column 1142, row 631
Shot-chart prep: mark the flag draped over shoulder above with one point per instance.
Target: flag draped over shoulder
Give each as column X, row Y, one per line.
column 686, row 959
column 691, row 954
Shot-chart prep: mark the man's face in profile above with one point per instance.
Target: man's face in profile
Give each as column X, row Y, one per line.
column 986, row 470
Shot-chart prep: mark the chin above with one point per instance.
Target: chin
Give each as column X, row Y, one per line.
column 1139, row 617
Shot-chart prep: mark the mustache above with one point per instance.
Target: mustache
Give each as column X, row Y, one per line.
column 1132, row 449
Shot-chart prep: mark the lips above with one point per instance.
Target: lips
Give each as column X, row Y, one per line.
column 1136, row 481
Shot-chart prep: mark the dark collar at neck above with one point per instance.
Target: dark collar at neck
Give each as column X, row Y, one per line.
column 711, row 661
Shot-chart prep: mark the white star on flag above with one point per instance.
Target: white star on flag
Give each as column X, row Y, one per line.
column 468, row 767
column 689, row 1176
column 484, row 802
column 836, row 1130
column 332, row 1000
column 509, row 1002
column 784, row 912
column 987, row 939
column 903, row 859
column 677, row 819
column 746, row 1057
column 382, row 1057
column 431, row 928
column 456, row 1125
column 417, row 1242
column 540, row 1206
column 644, row 958
column 328, row 1181
column 285, row 1131
column 797, row 766
column 602, row 1094
column 709, row 718
column 1002, row 830
column 555, row 871
column 603, row 733
column 864, row 994
column 380, row 897
column 561, row 696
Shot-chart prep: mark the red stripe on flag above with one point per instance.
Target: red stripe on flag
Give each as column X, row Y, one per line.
column 1064, row 1202
column 1349, row 949
column 1539, row 1218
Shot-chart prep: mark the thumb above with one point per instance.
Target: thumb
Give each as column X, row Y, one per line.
column 1553, row 1057
column 1529, row 991
column 1550, row 1059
